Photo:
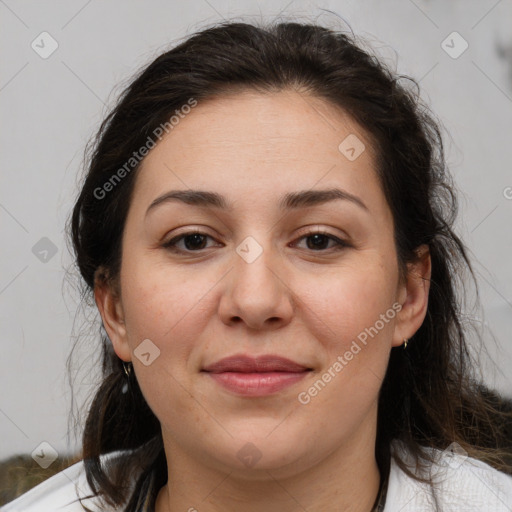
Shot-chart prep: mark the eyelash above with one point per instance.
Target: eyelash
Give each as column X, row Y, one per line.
column 171, row 244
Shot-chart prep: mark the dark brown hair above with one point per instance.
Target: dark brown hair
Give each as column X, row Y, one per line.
column 431, row 395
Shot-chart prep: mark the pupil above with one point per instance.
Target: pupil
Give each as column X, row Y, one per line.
column 196, row 240
column 316, row 239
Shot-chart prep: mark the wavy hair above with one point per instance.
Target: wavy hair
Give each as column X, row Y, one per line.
column 431, row 395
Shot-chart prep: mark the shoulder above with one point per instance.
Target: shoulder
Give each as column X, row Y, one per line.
column 58, row 493
column 460, row 483
column 61, row 492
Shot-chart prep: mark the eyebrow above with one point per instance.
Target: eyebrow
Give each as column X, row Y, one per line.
column 290, row 201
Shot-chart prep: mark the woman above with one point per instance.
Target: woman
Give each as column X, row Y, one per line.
column 266, row 229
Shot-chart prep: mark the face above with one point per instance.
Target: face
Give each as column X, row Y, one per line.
column 278, row 271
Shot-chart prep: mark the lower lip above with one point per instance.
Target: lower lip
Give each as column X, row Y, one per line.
column 257, row 384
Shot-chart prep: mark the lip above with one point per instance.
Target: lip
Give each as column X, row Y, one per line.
column 246, row 364
column 256, row 376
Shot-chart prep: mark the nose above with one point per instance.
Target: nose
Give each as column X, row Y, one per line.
column 257, row 293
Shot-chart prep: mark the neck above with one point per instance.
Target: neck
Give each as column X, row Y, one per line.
column 345, row 481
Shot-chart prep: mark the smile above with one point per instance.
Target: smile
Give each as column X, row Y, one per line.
column 257, row 384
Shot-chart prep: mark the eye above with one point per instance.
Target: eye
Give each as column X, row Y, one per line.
column 193, row 240
column 319, row 239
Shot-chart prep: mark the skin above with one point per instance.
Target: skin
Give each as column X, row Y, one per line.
column 294, row 300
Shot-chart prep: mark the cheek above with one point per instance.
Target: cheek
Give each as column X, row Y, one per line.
column 353, row 318
column 157, row 309
column 350, row 300
column 165, row 307
column 169, row 312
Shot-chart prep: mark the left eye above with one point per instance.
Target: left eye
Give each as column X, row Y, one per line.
column 318, row 240
column 195, row 241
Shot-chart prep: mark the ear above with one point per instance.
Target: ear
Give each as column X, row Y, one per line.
column 108, row 300
column 413, row 296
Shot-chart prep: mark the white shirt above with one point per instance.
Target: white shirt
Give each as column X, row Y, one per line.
column 462, row 485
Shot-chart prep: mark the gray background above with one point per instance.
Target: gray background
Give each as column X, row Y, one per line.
column 50, row 107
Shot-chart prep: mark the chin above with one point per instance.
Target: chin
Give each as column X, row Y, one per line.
column 266, row 450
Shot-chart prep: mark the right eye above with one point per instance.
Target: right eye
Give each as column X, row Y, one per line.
column 193, row 242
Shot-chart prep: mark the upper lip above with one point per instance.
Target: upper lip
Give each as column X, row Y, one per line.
column 247, row 364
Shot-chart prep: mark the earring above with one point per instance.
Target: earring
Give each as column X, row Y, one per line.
column 405, row 343
column 127, row 367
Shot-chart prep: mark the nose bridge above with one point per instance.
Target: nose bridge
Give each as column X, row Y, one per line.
column 256, row 293
column 255, row 264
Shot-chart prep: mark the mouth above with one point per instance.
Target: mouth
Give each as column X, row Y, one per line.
column 262, row 364
column 256, row 376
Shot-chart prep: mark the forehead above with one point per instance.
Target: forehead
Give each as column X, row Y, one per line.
column 277, row 121
column 269, row 143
